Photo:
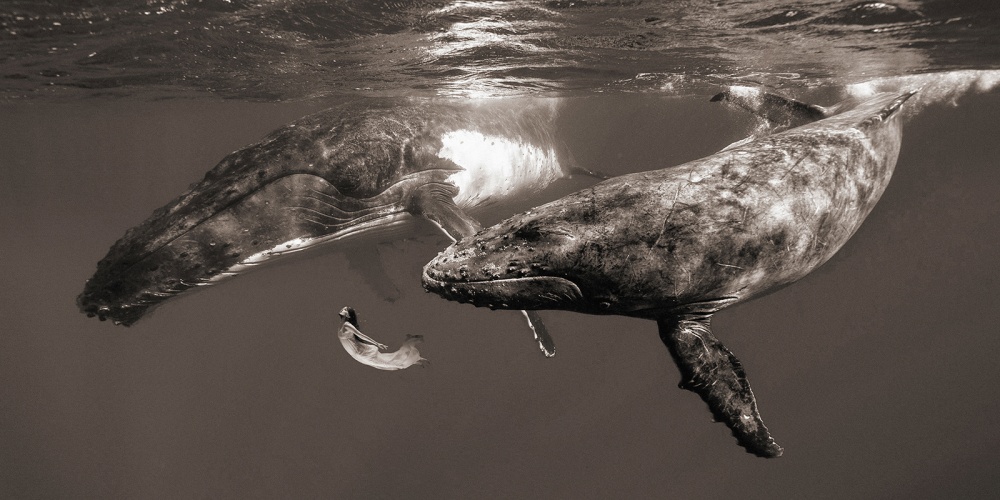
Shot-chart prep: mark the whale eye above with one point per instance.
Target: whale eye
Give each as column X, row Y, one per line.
column 604, row 303
column 528, row 232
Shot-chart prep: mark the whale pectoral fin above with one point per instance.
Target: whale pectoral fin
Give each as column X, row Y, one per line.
column 710, row 370
column 545, row 342
column 774, row 108
column 435, row 202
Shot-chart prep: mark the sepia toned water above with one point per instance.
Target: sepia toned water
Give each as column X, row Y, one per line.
column 877, row 373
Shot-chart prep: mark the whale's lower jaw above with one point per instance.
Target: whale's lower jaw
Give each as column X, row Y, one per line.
column 533, row 292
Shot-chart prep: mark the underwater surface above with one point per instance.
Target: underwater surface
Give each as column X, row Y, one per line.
column 877, row 373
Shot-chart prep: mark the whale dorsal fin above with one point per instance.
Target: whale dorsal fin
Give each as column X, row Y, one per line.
column 709, row 369
column 779, row 110
column 781, row 113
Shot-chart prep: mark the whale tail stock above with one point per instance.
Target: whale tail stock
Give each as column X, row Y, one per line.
column 710, row 370
column 784, row 112
column 894, row 106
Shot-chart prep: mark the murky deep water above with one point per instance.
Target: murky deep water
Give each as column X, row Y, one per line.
column 878, row 373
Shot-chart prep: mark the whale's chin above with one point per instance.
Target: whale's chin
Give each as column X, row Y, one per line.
column 532, row 292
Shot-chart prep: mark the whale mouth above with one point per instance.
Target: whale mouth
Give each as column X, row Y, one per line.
column 531, row 292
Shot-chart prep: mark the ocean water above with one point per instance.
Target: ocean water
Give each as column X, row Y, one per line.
column 877, row 373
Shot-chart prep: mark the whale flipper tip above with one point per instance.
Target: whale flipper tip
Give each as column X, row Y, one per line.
column 545, row 342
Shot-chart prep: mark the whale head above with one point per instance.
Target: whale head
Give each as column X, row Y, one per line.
column 567, row 255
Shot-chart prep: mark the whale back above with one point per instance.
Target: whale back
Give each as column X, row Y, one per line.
column 749, row 220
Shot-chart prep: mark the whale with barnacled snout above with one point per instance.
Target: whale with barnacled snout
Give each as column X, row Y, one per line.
column 679, row 244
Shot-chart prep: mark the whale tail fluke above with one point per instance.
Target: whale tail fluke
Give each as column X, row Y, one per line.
column 709, row 369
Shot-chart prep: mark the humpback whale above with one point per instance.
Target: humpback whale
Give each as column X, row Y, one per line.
column 679, row 244
column 348, row 171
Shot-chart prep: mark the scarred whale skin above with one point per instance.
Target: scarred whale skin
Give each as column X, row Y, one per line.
column 351, row 170
column 678, row 244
